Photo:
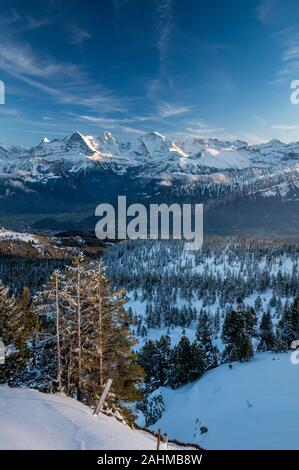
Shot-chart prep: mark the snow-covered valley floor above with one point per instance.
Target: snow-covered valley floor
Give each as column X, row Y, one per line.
column 254, row 405
column 33, row 420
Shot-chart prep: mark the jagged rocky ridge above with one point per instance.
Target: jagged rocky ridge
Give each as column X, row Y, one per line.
column 206, row 162
column 70, row 173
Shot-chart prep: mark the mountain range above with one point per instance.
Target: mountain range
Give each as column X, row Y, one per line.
column 243, row 186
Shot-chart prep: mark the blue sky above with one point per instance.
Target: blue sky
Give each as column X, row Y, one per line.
column 181, row 67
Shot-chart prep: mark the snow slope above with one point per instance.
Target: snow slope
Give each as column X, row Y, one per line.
column 254, row 405
column 30, row 420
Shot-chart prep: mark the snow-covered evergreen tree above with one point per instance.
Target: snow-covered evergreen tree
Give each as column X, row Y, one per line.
column 266, row 334
column 17, row 326
column 187, row 362
column 204, row 336
column 238, row 346
column 288, row 327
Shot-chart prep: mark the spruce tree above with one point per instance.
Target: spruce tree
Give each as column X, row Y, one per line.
column 250, row 321
column 162, row 360
column 94, row 332
column 146, row 357
column 266, row 334
column 155, row 358
column 7, row 331
column 107, row 341
column 235, row 337
column 48, row 307
column 204, row 336
column 246, row 351
column 288, row 327
column 17, row 326
column 187, row 362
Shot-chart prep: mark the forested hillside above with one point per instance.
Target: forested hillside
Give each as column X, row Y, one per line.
column 196, row 310
column 148, row 314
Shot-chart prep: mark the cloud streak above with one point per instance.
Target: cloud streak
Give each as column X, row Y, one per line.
column 170, row 109
column 78, row 35
column 18, row 23
column 289, row 61
column 266, row 11
column 63, row 82
column 285, row 127
column 164, row 30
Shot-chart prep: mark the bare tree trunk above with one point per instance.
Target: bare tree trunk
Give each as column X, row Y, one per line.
column 69, row 371
column 79, row 360
column 101, row 339
column 59, row 370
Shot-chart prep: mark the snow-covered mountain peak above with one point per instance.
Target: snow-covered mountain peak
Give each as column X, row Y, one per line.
column 8, row 153
column 107, row 136
column 154, row 135
column 152, row 154
column 78, row 138
column 152, row 140
column 76, row 134
column 276, row 142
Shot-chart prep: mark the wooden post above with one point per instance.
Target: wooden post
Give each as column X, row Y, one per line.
column 103, row 397
column 165, row 440
column 158, row 439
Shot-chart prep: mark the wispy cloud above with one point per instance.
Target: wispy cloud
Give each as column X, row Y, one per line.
column 47, row 118
column 111, row 121
column 218, row 46
column 78, row 35
column 266, row 11
column 22, row 23
column 118, row 4
column 164, row 29
column 289, row 61
column 9, row 112
column 163, row 110
column 171, row 109
column 19, row 58
column 132, row 130
column 288, row 41
column 31, row 22
column 63, row 82
column 121, row 124
column 292, row 51
column 99, row 120
column 204, row 131
column 199, row 129
column 285, row 127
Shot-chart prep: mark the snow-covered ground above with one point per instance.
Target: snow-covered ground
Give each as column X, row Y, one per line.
column 19, row 236
column 252, row 405
column 38, row 421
